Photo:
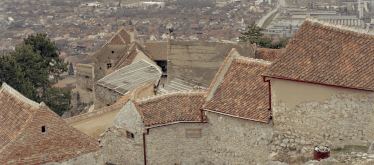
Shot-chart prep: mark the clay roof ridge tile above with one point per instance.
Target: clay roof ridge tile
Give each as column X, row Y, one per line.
column 15, row 93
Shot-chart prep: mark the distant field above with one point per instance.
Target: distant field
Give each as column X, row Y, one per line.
column 70, row 79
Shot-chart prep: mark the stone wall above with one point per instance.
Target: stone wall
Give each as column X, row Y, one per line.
column 117, row 148
column 199, row 60
column 237, row 141
column 107, row 54
column 169, row 144
column 84, row 79
column 93, row 158
column 307, row 114
column 105, row 96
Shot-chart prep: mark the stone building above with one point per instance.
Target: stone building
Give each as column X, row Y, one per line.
column 31, row 133
column 198, row 60
column 111, row 88
column 322, row 87
column 84, row 79
column 213, row 126
column 104, row 58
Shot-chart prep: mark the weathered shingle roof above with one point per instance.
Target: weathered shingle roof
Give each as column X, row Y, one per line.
column 157, row 50
column 171, row 107
column 268, row 54
column 239, row 90
column 131, row 76
column 329, row 54
column 15, row 112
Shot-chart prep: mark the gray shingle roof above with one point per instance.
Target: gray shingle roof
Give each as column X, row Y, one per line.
column 131, row 76
column 183, row 83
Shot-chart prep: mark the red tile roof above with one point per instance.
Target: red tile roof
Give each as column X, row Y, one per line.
column 15, row 112
column 329, row 54
column 157, row 50
column 117, row 39
column 171, row 107
column 125, row 36
column 238, row 89
column 268, row 54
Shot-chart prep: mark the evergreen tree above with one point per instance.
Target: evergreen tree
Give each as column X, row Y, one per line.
column 12, row 74
column 71, row 69
column 50, row 57
column 28, row 67
column 59, row 100
column 254, row 35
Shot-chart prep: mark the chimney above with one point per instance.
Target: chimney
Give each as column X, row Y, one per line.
column 252, row 50
column 132, row 34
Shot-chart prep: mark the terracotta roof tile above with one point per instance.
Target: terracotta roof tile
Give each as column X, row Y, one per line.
column 242, row 91
column 171, row 107
column 15, row 112
column 328, row 54
column 157, row 50
column 268, row 54
column 117, row 39
column 125, row 36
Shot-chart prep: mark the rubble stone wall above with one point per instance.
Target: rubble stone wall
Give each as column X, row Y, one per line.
column 105, row 96
column 199, row 60
column 117, row 148
column 306, row 115
column 84, row 80
column 169, row 144
column 93, row 158
column 237, row 141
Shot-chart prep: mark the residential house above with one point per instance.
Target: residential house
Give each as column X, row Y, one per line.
column 322, row 85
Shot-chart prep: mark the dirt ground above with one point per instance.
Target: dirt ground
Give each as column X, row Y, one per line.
column 68, row 79
column 300, row 159
column 97, row 125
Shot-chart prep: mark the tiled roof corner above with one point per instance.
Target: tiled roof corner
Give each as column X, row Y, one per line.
column 15, row 93
column 171, row 107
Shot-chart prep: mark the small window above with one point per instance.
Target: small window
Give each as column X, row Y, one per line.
column 108, row 105
column 89, row 90
column 193, row 133
column 112, row 52
column 43, row 129
column 130, row 135
column 100, row 68
column 109, row 65
column 86, row 77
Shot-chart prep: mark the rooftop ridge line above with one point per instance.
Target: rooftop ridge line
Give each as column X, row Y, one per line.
column 252, row 60
column 170, row 93
column 19, row 95
column 343, row 27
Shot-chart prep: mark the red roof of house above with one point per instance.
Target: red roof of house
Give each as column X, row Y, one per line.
column 241, row 91
column 329, row 54
column 268, row 54
column 171, row 107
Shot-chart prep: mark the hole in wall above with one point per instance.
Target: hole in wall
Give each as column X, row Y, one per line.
column 112, row 52
column 43, row 129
